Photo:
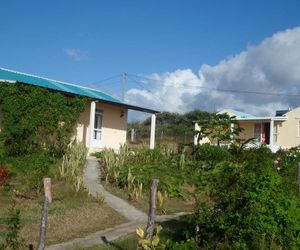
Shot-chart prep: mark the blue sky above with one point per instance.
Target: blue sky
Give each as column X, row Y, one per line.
column 87, row 41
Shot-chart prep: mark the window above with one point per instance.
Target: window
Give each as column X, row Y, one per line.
column 98, row 125
column 275, row 133
column 257, row 131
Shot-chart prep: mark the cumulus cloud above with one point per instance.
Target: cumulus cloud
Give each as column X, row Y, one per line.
column 76, row 54
column 273, row 66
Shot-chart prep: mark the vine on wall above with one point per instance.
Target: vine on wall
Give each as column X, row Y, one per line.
column 35, row 119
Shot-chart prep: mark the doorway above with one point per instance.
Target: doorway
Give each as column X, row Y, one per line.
column 262, row 132
column 97, row 131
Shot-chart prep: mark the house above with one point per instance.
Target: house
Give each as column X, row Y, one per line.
column 103, row 124
column 279, row 131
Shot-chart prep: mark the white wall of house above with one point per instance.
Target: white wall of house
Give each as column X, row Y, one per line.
column 114, row 126
column 289, row 130
column 286, row 133
column 248, row 131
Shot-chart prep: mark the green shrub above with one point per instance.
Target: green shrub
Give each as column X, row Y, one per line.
column 211, row 154
column 11, row 238
column 28, row 163
column 287, row 161
column 247, row 203
column 160, row 154
column 257, row 158
column 189, row 244
column 142, row 173
column 36, row 118
column 142, row 165
column 34, row 167
column 291, row 155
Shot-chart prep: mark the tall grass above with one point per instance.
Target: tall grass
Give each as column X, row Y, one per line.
column 132, row 169
column 73, row 164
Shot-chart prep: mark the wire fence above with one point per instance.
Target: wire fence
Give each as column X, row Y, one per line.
column 141, row 136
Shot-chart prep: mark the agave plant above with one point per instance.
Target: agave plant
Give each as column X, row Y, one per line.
column 73, row 164
column 100, row 197
column 78, row 183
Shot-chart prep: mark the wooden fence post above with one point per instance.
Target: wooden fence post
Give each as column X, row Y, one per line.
column 152, row 208
column 298, row 178
column 43, row 226
column 132, row 135
column 47, row 189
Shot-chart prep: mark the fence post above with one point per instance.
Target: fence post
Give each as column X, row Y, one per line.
column 47, row 189
column 132, row 135
column 43, row 226
column 298, row 178
column 152, row 208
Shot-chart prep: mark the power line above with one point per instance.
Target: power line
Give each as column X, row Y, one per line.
column 149, row 90
column 221, row 89
column 250, row 92
column 105, row 80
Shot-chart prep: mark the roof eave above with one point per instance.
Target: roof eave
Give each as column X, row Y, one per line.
column 267, row 118
column 129, row 106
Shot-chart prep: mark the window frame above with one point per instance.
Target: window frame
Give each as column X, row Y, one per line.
column 97, row 132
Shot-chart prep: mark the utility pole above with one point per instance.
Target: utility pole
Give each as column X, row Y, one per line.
column 123, row 76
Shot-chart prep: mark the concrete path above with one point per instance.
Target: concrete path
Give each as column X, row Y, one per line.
column 108, row 235
column 97, row 238
column 92, row 182
column 136, row 217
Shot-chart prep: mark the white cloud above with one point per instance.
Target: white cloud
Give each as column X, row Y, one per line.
column 273, row 66
column 76, row 54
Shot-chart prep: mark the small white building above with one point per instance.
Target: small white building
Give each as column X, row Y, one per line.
column 279, row 131
column 103, row 124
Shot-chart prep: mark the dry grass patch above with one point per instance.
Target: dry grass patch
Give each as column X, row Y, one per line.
column 74, row 223
column 71, row 214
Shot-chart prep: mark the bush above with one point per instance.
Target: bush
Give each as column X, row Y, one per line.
column 248, row 203
column 34, row 167
column 136, row 169
column 189, row 244
column 11, row 235
column 211, row 154
column 37, row 118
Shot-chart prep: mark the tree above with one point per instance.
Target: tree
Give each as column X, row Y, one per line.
column 218, row 127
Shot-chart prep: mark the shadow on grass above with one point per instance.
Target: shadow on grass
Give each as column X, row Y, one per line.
column 128, row 242
column 112, row 244
column 175, row 230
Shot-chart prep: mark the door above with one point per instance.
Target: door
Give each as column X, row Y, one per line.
column 267, row 132
column 258, row 132
column 97, row 131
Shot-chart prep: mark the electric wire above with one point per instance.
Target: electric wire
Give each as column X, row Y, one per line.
column 150, row 91
column 96, row 83
column 219, row 89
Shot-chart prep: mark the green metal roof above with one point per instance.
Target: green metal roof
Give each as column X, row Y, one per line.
column 10, row 75
column 14, row 76
column 238, row 114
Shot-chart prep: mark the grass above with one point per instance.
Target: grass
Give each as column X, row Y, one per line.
column 128, row 242
column 129, row 174
column 171, row 205
column 71, row 214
